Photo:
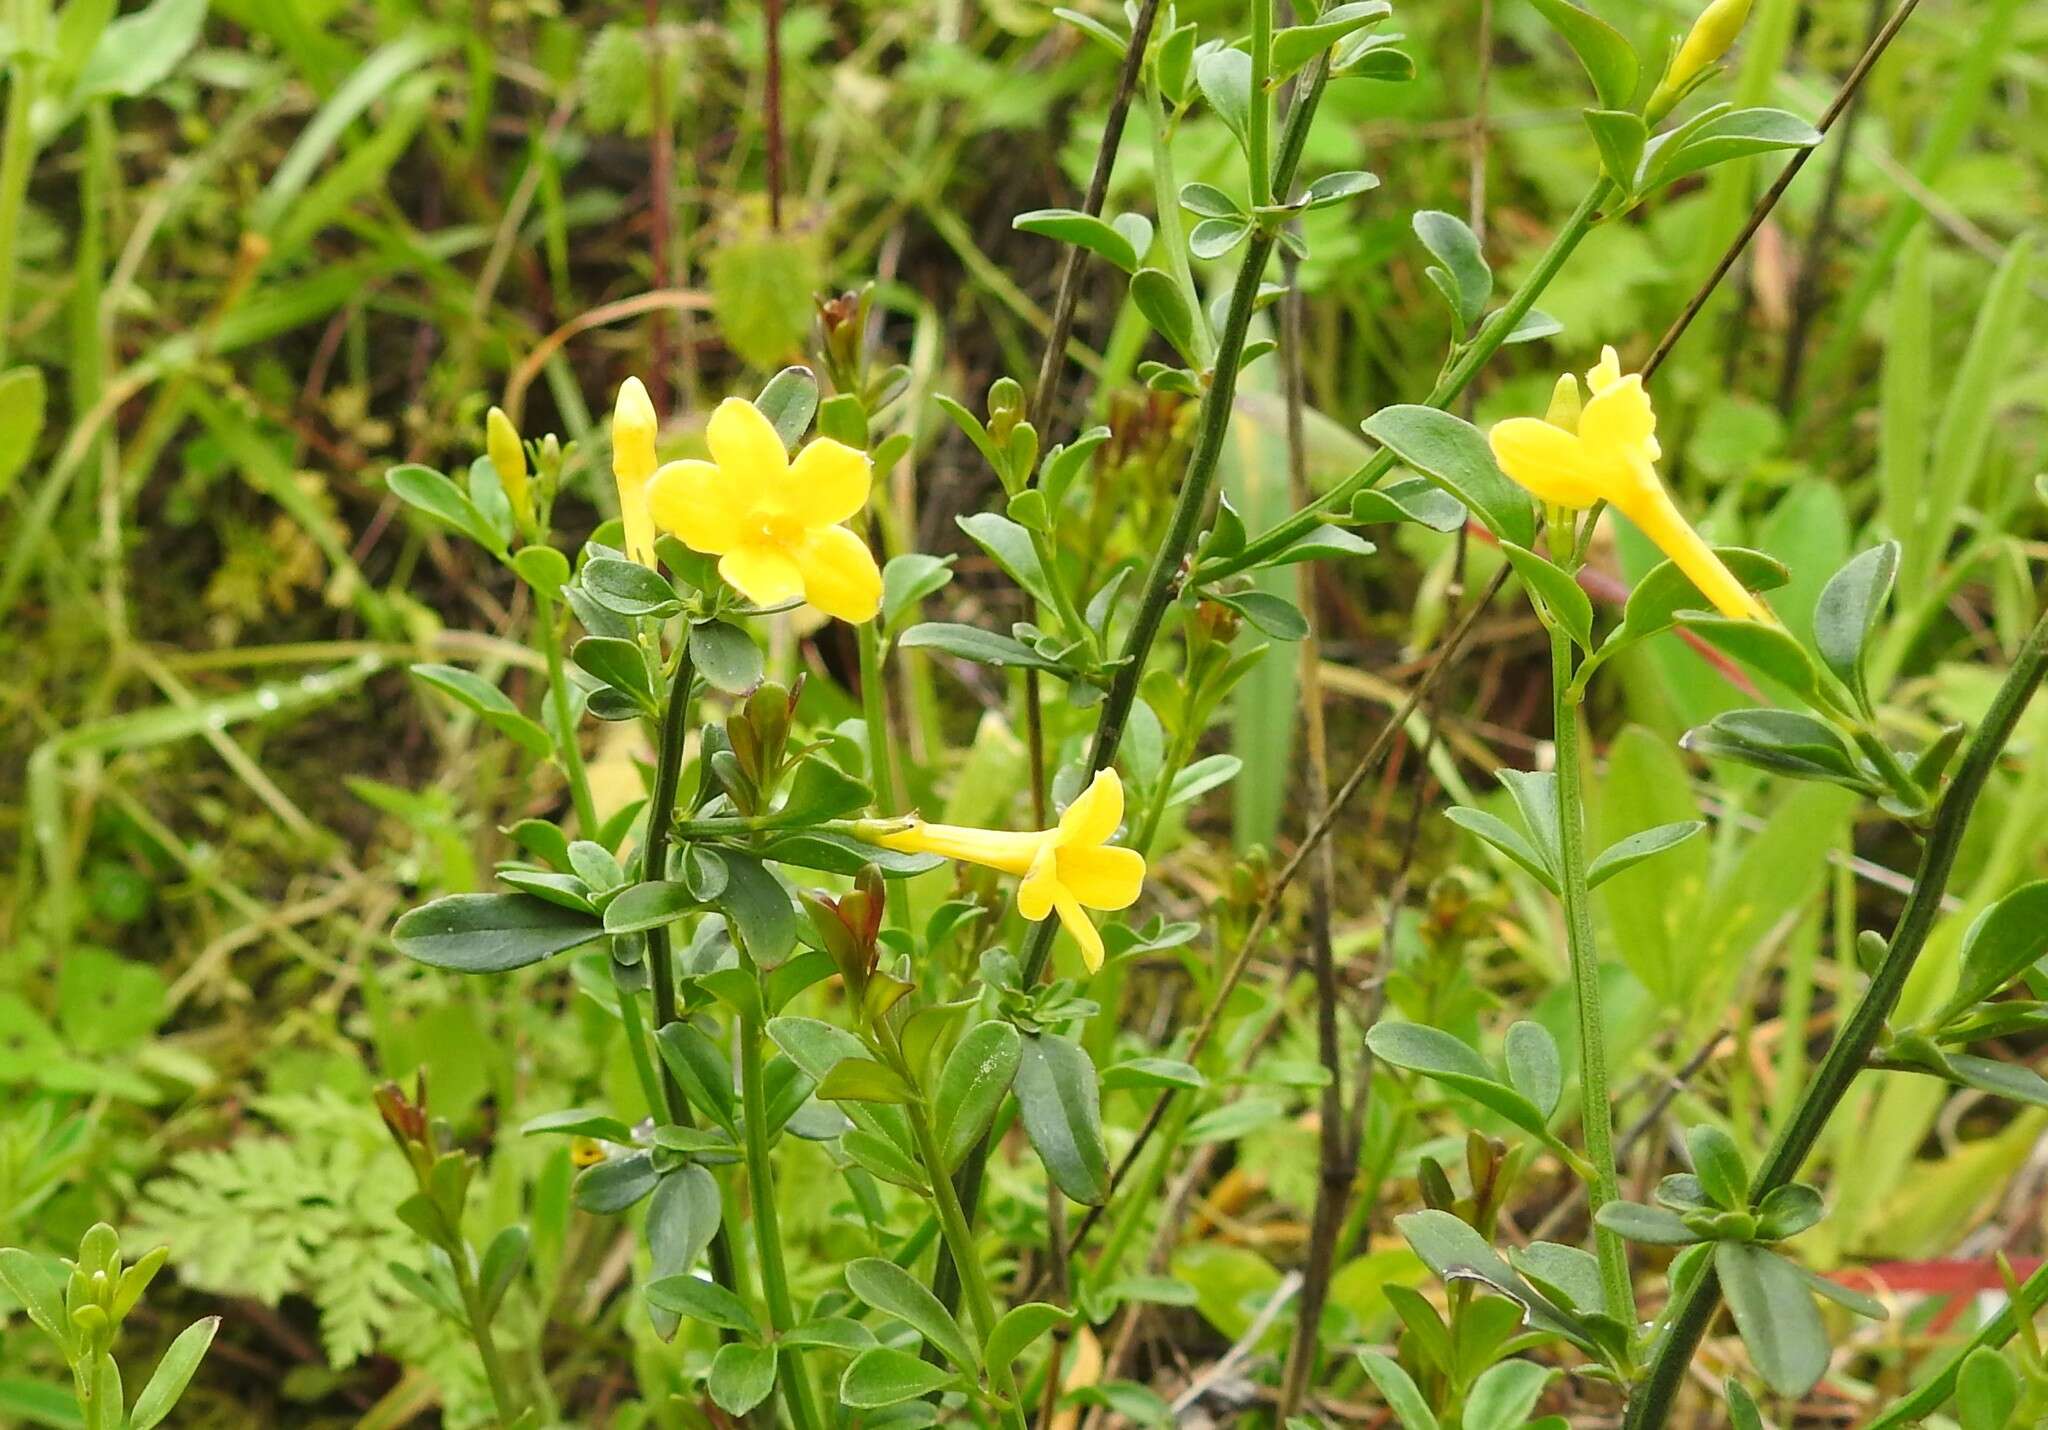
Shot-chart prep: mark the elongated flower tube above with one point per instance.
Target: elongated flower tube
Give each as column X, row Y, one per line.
column 1607, row 451
column 1069, row 868
column 633, row 462
column 1712, row 35
column 774, row 523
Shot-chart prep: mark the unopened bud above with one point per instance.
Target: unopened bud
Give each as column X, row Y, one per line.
column 1564, row 404
column 508, row 456
column 1711, row 37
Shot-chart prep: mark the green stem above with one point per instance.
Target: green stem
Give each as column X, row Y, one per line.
column 1457, row 377
column 1258, row 122
column 661, row 973
column 797, row 1394
column 567, row 746
column 1163, row 579
column 486, row 1341
column 1650, row 1406
column 1173, row 241
column 17, row 148
column 959, row 1238
column 874, row 709
column 1596, row 1109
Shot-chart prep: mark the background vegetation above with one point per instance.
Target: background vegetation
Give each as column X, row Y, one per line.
column 252, row 253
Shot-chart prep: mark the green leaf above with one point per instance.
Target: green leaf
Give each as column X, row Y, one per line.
column 1620, row 136
column 972, row 1085
column 725, row 655
column 1058, row 1098
column 137, row 52
column 489, row 702
column 1214, row 237
column 701, row 1069
column 705, row 1301
column 1464, row 278
column 1083, row 231
column 1733, row 135
column 1151, row 1072
column 578, row 1122
column 864, row 1080
column 1296, row 45
column 1555, row 592
column 428, row 491
column 1094, row 29
column 741, row 1377
column 1011, row 547
column 1164, row 306
column 1016, row 1330
column 1507, row 839
column 1609, row 59
column 1399, row 1391
column 1788, row 742
column 36, row 1284
column 1208, row 201
column 1768, row 650
column 1742, row 1411
column 1276, row 616
column 490, row 933
column 1847, row 613
column 1774, row 1311
column 822, row 791
column 1224, row 76
column 1415, row 499
column 1437, row 1055
column 1633, row 850
column 975, row 644
column 2008, row 1080
column 908, row 579
column 2002, row 943
column 1324, row 543
column 1453, row 453
column 789, row 401
column 1652, row 1226
column 888, row 1287
column 1454, row 1251
column 23, row 397
column 624, row 587
column 1535, row 1069
column 758, row 910
column 1786, row 1211
column 1504, row 1394
column 1718, row 1164
column 1987, row 1391
column 609, row 1187
column 881, row 1377
column 1336, row 187
column 620, row 664
column 650, row 905
column 880, row 1157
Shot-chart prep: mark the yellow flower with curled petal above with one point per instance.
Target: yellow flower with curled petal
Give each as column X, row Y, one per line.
column 1607, row 451
column 774, row 523
column 1069, row 868
column 633, row 463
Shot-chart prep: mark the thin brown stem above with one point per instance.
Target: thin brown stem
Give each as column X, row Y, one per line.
column 1836, row 107
column 771, row 102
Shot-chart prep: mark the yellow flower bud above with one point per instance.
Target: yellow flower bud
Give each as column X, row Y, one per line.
column 1711, row 36
column 1564, row 404
column 633, row 462
column 508, row 456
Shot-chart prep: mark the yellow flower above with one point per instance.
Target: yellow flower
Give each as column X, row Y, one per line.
column 633, row 463
column 1607, row 451
column 1068, row 868
column 508, row 457
column 774, row 523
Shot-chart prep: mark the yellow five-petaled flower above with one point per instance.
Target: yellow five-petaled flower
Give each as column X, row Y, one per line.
column 1069, row 868
column 773, row 523
column 1607, row 451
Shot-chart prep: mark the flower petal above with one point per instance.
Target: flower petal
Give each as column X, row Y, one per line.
column 745, row 445
column 1606, row 372
column 763, row 574
column 694, row 501
column 1661, row 521
column 1103, row 877
column 828, row 482
column 1550, row 462
column 1620, row 420
column 1041, row 887
column 1095, row 813
column 1081, row 927
column 840, row 575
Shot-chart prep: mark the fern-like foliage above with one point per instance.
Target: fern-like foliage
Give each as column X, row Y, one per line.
column 308, row 1211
